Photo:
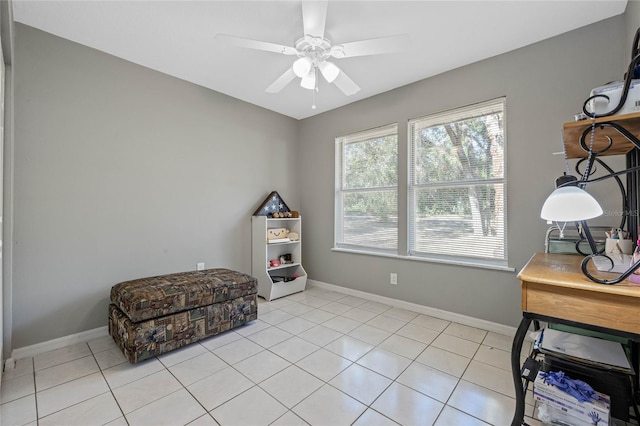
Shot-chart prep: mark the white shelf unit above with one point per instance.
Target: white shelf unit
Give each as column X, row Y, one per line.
column 262, row 252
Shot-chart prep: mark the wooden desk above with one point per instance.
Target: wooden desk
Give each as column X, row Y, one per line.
column 555, row 290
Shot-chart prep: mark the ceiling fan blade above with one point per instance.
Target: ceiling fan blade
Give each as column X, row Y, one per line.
column 374, row 46
column 314, row 16
column 281, row 82
column 256, row 44
column 344, row 83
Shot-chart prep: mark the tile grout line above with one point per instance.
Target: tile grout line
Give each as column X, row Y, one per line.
column 414, row 359
column 108, row 385
column 208, row 412
column 295, row 364
column 323, row 382
column 369, row 406
column 375, row 346
column 59, row 384
column 35, row 389
column 458, row 379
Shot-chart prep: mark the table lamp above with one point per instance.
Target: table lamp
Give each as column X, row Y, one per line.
column 571, row 203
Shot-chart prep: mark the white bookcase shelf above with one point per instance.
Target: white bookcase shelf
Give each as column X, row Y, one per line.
column 276, row 281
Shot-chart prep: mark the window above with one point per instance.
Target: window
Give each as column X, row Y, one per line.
column 366, row 216
column 457, row 205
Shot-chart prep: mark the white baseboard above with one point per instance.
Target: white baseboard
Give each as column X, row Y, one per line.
column 85, row 336
column 426, row 310
column 60, row 342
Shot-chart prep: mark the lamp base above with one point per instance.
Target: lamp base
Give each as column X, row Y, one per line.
column 566, row 180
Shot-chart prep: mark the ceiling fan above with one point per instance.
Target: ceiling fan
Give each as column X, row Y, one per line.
column 314, row 51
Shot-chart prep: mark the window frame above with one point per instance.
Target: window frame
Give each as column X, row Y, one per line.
column 340, row 190
column 405, row 210
column 457, row 114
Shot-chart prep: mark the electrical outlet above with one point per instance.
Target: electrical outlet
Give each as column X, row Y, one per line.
column 393, row 279
column 200, row 266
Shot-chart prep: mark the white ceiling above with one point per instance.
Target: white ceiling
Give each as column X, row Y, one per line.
column 178, row 38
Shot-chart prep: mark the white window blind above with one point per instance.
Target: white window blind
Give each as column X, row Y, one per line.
column 366, row 197
column 457, row 184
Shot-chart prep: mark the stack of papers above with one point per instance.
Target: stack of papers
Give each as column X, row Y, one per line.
column 279, row 240
column 621, row 262
column 590, row 350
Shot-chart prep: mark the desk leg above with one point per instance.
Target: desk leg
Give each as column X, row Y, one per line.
column 516, row 348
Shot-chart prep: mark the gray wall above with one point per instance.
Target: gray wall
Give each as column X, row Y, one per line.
column 7, row 32
column 545, row 85
column 632, row 23
column 122, row 172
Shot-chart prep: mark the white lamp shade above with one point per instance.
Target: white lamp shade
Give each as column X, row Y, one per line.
column 302, row 66
column 329, row 71
column 570, row 204
column 309, row 80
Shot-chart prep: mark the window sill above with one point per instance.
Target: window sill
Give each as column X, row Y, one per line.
column 447, row 261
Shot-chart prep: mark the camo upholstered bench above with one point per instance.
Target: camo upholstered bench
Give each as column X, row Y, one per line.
column 151, row 316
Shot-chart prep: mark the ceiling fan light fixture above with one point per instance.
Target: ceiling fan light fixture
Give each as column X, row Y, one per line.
column 329, row 71
column 312, row 51
column 302, row 66
column 309, row 80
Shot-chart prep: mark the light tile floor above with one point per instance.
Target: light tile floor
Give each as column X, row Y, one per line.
column 317, row 357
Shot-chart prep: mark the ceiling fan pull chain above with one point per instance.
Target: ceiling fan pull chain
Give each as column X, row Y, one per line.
column 315, row 89
column 313, row 94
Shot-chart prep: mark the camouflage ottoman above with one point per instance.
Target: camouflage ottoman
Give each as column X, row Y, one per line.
column 151, row 316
